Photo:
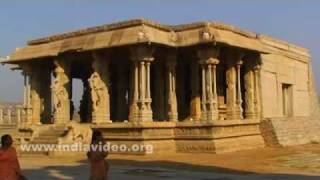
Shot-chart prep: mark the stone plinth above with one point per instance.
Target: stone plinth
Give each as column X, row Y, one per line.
column 218, row 137
column 159, row 135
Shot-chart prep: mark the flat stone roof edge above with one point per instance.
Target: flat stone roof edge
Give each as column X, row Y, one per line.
column 253, row 41
column 139, row 22
column 168, row 28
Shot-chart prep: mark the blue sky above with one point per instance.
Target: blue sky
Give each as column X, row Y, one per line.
column 295, row 21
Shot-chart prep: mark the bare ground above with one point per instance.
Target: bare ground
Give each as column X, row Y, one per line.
column 298, row 162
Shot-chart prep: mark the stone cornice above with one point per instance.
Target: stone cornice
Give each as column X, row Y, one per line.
column 141, row 31
column 139, row 22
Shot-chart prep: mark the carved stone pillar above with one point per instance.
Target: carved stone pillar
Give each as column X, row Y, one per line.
column 35, row 95
column 27, row 120
column 134, row 81
column 208, row 60
column 171, row 86
column 18, row 113
column 249, row 86
column 9, row 114
column 234, row 97
column 45, row 94
column 195, row 111
column 60, row 92
column 99, row 84
column 159, row 101
column 140, row 109
column 121, row 88
column 239, row 92
column 86, row 103
column 257, row 105
column 25, row 89
column 1, row 114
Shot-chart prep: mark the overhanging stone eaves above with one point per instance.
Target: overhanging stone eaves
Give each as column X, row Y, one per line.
column 139, row 22
column 138, row 31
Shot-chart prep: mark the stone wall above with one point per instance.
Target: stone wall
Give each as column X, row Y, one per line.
column 278, row 70
column 314, row 95
column 291, row 65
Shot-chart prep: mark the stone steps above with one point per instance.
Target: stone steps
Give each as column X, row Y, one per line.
column 292, row 131
column 45, row 137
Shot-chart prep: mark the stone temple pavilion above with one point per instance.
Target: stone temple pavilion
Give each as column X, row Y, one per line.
column 199, row 87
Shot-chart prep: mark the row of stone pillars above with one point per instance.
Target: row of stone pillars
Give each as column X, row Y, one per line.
column 11, row 114
column 208, row 60
column 204, row 108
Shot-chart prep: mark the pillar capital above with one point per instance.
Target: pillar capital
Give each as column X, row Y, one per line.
column 142, row 53
column 26, row 69
column 251, row 62
column 257, row 67
column 99, row 56
column 235, row 57
column 239, row 62
column 210, row 61
column 171, row 59
column 208, row 55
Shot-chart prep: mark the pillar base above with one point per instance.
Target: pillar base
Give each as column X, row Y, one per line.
column 212, row 117
column 173, row 117
column 234, row 113
column 141, row 115
column 250, row 115
column 61, row 119
column 99, row 119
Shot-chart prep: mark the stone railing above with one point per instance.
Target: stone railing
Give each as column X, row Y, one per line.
column 11, row 115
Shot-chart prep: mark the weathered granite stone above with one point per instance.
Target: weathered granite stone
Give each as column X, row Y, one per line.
column 200, row 87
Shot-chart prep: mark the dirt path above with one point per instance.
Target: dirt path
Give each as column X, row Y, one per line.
column 299, row 162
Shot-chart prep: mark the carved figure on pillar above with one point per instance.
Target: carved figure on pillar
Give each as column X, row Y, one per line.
column 60, row 94
column 98, row 90
column 98, row 83
column 59, row 90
